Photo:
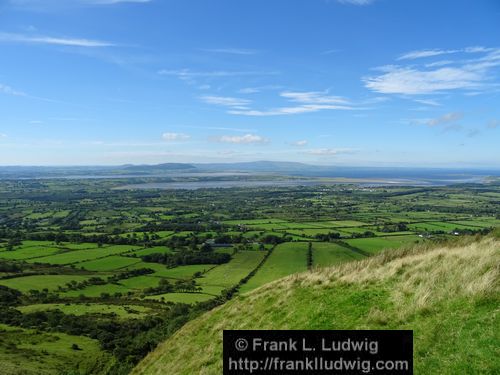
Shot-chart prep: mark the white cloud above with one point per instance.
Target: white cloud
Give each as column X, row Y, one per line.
column 254, row 90
column 249, row 90
column 106, row 2
column 330, row 51
column 309, row 101
column 446, row 118
column 410, row 81
column 3, row 135
column 473, row 133
column 426, row 53
column 356, row 2
column 74, row 42
column 238, row 130
column 175, row 137
column 244, row 139
column 45, row 4
column 430, row 102
column 187, row 73
column 469, row 74
column 226, row 101
column 313, row 97
column 300, row 143
column 330, row 151
column 231, row 51
column 439, row 63
column 4, row 89
column 418, row 54
column 494, row 124
column 306, row 108
column 125, row 143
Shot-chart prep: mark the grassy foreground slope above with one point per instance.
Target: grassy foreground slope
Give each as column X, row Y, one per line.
column 448, row 295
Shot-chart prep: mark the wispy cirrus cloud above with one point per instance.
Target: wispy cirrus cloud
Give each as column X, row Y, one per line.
column 426, row 53
column 330, row 51
column 237, row 130
column 493, row 124
column 447, row 122
column 54, row 4
column 108, row 2
column 313, row 97
column 431, row 102
column 243, row 139
column 330, row 151
column 356, row 2
column 249, row 90
column 188, row 73
column 300, row 143
column 423, row 53
column 5, row 89
column 412, row 81
column 306, row 108
column 175, row 137
column 257, row 89
column 305, row 102
column 201, row 78
column 473, row 74
column 231, row 51
column 445, row 119
column 226, row 101
column 8, row 90
column 40, row 39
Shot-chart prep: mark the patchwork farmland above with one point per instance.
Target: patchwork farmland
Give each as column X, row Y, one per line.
column 138, row 261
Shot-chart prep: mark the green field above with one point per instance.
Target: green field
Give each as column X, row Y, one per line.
column 122, row 311
column 84, row 255
column 329, row 254
column 40, row 282
column 110, row 263
column 478, row 223
column 286, row 258
column 376, row 244
column 97, row 290
column 189, row 298
column 345, row 223
column 32, row 252
column 82, row 240
column 80, row 246
column 184, row 272
column 140, row 282
column 441, row 226
column 310, row 232
column 31, row 352
column 229, row 274
column 254, row 221
column 152, row 250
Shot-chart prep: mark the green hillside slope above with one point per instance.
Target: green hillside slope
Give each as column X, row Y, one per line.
column 448, row 295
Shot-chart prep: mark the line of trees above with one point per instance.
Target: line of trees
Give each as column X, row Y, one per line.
column 187, row 257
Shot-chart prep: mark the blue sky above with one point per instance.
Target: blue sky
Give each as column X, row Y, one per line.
column 340, row 82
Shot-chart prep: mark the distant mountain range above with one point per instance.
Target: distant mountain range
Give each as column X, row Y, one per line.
column 157, row 167
column 255, row 167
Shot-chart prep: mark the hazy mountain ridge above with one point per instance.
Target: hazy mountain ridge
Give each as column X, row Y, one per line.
column 264, row 167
